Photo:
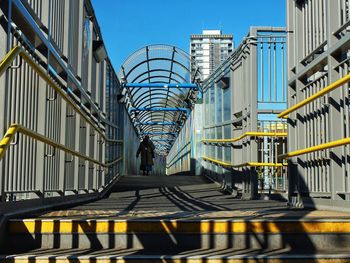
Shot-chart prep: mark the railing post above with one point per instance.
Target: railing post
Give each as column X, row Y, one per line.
column 293, row 195
column 41, row 161
column 76, row 147
column 61, row 154
column 87, row 164
column 253, row 104
column 3, row 104
column 336, row 109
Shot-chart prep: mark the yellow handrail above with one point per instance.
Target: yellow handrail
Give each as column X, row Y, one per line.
column 256, row 164
column 19, row 51
column 315, row 96
column 217, row 161
column 316, row 148
column 247, row 134
column 16, row 128
column 248, row 164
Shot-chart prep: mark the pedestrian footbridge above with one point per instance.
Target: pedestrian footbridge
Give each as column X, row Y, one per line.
column 251, row 163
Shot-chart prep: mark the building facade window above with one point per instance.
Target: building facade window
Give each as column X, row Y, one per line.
column 215, row 45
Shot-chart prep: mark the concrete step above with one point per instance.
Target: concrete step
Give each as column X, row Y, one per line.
column 173, row 235
column 191, row 256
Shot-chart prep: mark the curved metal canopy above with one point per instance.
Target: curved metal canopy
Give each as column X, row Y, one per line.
column 159, row 92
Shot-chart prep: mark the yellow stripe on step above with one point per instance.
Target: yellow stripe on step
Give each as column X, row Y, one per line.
column 203, row 227
column 181, row 260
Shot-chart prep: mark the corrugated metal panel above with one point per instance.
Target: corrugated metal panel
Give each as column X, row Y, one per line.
column 319, row 40
column 32, row 169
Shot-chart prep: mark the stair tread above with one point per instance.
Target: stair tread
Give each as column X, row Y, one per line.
column 186, row 219
column 212, row 253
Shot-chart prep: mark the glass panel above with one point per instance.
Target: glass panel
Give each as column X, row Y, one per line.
column 212, row 105
column 219, row 148
column 206, row 148
column 212, row 147
column 227, row 104
column 218, row 105
column 206, row 105
column 227, row 135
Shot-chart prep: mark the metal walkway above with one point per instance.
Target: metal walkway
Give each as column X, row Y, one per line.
column 177, row 219
column 181, row 197
column 168, row 197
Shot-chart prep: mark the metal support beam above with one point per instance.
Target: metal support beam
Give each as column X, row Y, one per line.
column 161, row 85
column 152, row 123
column 159, row 109
column 159, row 133
column 163, row 140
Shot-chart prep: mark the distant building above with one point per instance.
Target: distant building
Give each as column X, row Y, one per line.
column 210, row 49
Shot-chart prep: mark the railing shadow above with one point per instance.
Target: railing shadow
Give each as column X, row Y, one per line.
column 273, row 231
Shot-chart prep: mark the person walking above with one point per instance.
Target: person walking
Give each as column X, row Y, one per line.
column 146, row 149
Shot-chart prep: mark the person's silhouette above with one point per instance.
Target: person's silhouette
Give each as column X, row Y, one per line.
column 146, row 149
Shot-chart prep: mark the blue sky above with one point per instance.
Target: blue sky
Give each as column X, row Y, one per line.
column 128, row 25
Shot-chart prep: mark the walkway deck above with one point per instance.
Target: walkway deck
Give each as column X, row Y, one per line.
column 180, row 197
column 178, row 219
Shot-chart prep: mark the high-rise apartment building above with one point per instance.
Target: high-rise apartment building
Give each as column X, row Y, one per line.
column 210, row 49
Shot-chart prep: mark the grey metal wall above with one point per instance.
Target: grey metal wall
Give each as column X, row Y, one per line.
column 179, row 157
column 59, row 35
column 244, row 95
column 318, row 55
column 114, row 120
column 185, row 155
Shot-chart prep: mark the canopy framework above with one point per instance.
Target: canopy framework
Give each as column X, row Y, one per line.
column 159, row 88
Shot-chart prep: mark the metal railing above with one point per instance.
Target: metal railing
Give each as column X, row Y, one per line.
column 316, row 148
column 273, row 174
column 16, row 129
column 19, row 51
column 247, row 134
column 276, row 180
column 308, row 100
column 241, row 100
column 248, row 164
column 315, row 96
column 36, row 26
column 318, row 95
